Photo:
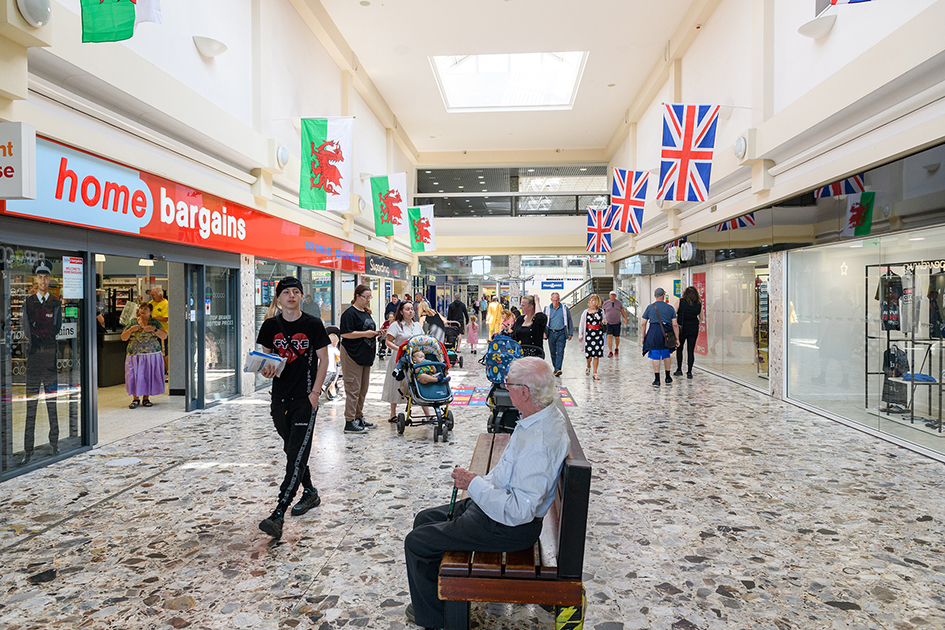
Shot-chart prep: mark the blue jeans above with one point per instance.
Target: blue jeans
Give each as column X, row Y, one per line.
column 556, row 341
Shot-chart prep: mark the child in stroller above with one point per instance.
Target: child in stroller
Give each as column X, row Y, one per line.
column 498, row 356
column 451, row 342
column 423, row 362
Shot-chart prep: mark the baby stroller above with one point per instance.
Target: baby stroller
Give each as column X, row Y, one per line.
column 502, row 350
column 436, row 395
column 451, row 336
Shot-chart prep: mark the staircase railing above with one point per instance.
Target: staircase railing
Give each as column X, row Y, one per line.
column 578, row 293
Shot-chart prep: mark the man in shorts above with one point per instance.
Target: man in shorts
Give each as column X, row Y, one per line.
column 613, row 311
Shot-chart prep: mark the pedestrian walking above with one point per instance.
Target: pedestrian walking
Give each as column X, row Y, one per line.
column 657, row 320
column 591, row 334
column 689, row 318
column 613, row 311
column 144, row 359
column 559, row 331
column 403, row 328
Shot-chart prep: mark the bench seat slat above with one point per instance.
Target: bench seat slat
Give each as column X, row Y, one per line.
column 455, row 563
column 521, row 564
column 486, row 564
column 555, row 592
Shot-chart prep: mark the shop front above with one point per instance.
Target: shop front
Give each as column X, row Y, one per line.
column 99, row 240
column 848, row 278
column 386, row 277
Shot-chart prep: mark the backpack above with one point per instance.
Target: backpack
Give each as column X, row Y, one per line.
column 499, row 355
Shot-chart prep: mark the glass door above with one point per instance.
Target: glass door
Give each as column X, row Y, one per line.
column 194, row 322
column 212, row 334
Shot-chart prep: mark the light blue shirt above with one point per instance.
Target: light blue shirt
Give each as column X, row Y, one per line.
column 522, row 486
column 556, row 316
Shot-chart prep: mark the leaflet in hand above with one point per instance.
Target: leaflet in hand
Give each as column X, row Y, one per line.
column 256, row 361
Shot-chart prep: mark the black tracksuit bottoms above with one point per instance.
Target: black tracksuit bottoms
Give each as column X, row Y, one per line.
column 295, row 422
column 687, row 339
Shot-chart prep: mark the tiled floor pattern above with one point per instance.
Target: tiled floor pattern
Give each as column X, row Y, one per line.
column 713, row 507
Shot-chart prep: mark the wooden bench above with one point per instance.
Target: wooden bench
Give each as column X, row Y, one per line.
column 550, row 572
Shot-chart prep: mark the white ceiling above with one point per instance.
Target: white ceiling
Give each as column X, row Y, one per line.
column 394, row 40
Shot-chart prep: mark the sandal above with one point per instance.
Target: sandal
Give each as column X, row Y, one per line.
column 134, row 404
column 147, row 403
column 587, row 372
column 595, row 377
column 393, row 420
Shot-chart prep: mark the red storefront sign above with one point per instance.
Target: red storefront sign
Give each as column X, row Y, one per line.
column 76, row 188
column 702, row 341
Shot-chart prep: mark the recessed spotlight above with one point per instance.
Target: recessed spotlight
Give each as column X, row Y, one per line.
column 428, row 172
column 611, row 84
column 467, row 201
column 441, row 191
column 481, row 176
column 921, row 238
column 462, row 186
column 364, row 3
column 484, row 190
column 436, row 183
column 432, row 136
column 531, row 170
column 582, row 170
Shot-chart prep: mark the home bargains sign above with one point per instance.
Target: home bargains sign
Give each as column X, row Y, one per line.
column 76, row 188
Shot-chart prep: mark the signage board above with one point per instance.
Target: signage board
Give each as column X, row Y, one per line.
column 383, row 267
column 17, row 161
column 557, row 285
column 72, row 278
column 77, row 188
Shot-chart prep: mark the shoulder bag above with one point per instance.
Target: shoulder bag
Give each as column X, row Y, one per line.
column 669, row 336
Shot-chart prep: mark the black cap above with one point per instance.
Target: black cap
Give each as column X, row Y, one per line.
column 288, row 282
column 43, row 266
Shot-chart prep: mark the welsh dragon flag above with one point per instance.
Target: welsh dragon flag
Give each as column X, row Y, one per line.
column 325, row 177
column 115, row 20
column 389, row 196
column 422, row 235
column 859, row 216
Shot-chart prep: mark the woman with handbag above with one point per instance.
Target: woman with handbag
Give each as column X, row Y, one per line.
column 591, row 334
column 660, row 332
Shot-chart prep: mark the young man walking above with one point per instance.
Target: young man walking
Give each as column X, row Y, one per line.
column 301, row 340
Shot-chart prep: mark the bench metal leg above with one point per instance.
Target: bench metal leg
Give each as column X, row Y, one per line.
column 456, row 615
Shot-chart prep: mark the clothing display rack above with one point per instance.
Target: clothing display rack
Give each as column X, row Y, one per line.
column 914, row 348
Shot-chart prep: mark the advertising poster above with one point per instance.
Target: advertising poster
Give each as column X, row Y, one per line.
column 72, row 278
column 702, row 342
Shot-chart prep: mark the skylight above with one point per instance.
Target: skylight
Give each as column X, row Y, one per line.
column 509, row 82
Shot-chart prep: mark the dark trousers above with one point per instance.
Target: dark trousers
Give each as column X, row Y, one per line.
column 295, row 422
column 433, row 535
column 41, row 375
column 687, row 338
column 556, row 341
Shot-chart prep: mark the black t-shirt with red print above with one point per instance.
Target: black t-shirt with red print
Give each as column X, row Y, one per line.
column 306, row 335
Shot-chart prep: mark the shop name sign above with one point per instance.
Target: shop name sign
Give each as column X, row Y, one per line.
column 925, row 264
column 385, row 267
column 77, row 188
column 17, row 161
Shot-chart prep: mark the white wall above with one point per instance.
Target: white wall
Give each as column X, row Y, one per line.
column 717, row 68
column 225, row 80
column 801, row 63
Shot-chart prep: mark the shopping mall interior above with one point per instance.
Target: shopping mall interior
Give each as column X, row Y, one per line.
column 769, row 169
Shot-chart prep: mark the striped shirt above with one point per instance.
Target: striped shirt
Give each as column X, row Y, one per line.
column 522, row 486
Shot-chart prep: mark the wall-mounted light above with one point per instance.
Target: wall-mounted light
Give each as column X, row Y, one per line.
column 740, row 147
column 145, row 262
column 209, row 47
column 282, row 156
column 818, row 27
column 35, row 12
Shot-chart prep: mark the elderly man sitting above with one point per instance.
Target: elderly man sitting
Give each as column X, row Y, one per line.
column 505, row 507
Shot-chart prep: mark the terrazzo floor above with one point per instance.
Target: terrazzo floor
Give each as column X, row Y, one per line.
column 713, row 507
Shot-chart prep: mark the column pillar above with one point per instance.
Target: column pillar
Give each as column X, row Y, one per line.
column 247, row 319
column 777, row 349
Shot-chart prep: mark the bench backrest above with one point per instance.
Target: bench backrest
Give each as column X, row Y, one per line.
column 571, row 504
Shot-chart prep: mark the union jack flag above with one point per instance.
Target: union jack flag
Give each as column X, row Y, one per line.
column 744, row 221
column 675, row 243
column 598, row 230
column 688, row 145
column 849, row 186
column 626, row 200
